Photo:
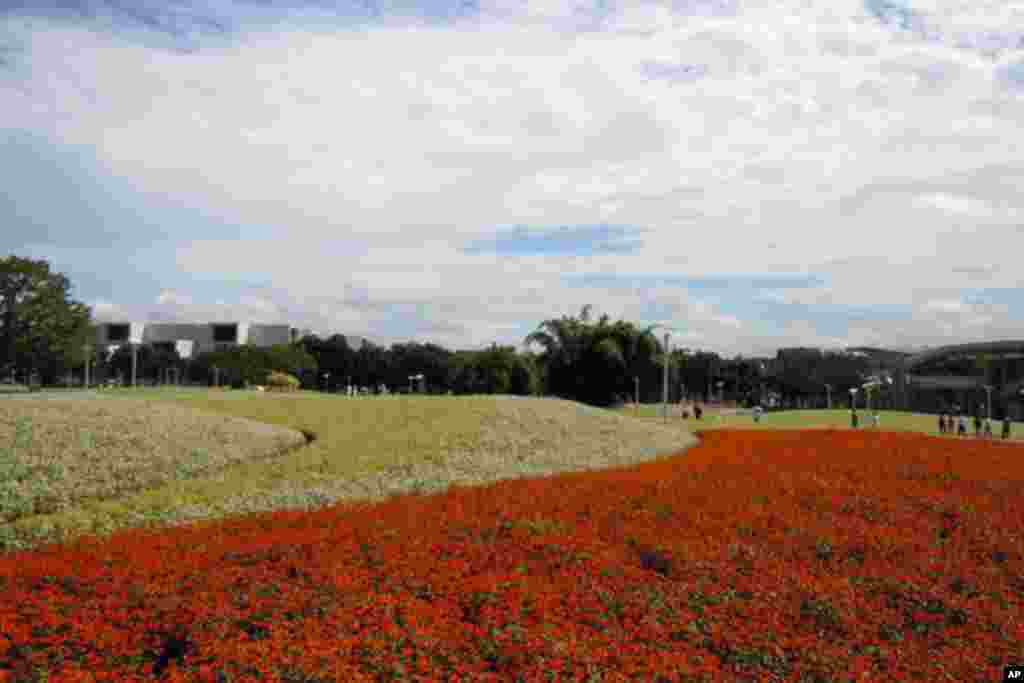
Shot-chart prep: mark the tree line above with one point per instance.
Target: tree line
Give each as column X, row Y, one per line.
column 599, row 361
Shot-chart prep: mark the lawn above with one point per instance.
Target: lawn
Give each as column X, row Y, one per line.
column 767, row 555
column 62, row 458
column 130, row 454
column 890, row 420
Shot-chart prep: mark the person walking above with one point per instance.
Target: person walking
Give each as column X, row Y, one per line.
column 961, row 429
column 942, row 423
column 1006, row 427
column 977, row 424
column 757, row 414
column 876, row 421
column 698, row 412
column 853, row 418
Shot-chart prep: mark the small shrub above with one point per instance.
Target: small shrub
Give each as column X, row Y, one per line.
column 282, row 381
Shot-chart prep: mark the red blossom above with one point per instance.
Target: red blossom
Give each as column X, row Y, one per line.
column 776, row 556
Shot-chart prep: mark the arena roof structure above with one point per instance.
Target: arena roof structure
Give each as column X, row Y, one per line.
column 998, row 349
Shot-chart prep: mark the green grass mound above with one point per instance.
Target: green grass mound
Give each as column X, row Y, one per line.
column 361, row 448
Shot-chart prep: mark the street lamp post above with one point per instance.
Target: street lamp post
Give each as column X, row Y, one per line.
column 988, row 390
column 135, row 362
column 88, row 354
column 664, row 386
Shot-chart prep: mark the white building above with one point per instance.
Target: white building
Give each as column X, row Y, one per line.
column 192, row 339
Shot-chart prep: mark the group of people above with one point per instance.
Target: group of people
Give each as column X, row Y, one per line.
column 698, row 412
column 949, row 424
column 876, row 420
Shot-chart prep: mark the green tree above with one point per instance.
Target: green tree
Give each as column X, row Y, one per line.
column 291, row 359
column 414, row 358
column 494, row 370
column 594, row 361
column 248, row 364
column 41, row 327
column 562, row 341
column 150, row 362
column 335, row 361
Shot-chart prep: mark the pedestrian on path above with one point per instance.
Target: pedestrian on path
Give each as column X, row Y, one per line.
column 876, row 421
column 961, row 429
column 1006, row 427
column 853, row 418
column 942, row 423
column 977, row 424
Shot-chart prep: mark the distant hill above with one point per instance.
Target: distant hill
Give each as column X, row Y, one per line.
column 882, row 355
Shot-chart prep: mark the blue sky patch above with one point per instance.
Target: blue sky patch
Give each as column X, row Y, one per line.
column 676, row 73
column 746, row 283
column 1013, row 75
column 996, row 296
column 189, row 26
column 577, row 240
column 738, row 295
column 894, row 14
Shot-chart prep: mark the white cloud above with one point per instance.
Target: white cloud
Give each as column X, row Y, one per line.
column 965, row 206
column 944, row 306
column 174, row 298
column 106, row 311
column 809, row 143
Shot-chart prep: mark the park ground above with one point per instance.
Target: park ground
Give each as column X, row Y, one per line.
column 564, row 543
column 890, row 420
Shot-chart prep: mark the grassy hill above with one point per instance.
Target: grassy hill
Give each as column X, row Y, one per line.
column 367, row 448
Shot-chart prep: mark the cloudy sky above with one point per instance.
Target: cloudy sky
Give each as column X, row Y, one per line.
column 753, row 173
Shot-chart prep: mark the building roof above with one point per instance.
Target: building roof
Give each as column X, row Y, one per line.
column 995, row 348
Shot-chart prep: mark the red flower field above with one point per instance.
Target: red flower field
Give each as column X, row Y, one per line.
column 757, row 556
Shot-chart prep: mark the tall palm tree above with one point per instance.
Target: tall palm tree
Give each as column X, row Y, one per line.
column 594, row 361
column 560, row 339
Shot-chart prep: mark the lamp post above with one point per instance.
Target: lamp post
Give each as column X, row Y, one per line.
column 664, row 385
column 88, row 354
column 853, row 398
column 988, row 390
column 135, row 362
column 636, row 394
column 828, row 395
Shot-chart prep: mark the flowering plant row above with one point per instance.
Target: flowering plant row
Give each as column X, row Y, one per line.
column 757, row 555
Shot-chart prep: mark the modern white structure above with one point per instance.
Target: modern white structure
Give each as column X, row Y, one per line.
column 192, row 339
